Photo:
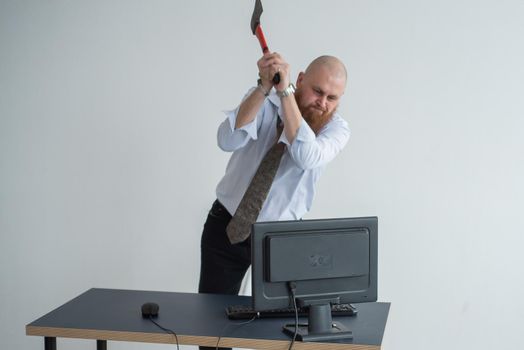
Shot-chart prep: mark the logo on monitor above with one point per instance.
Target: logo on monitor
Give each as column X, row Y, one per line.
column 319, row 260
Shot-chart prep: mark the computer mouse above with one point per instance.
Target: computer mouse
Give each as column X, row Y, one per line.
column 150, row 310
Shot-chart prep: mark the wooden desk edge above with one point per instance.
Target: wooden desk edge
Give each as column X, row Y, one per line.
column 187, row 339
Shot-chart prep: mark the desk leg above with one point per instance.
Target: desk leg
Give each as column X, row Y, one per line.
column 101, row 345
column 49, row 343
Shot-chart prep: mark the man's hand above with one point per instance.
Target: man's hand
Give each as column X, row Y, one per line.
column 269, row 65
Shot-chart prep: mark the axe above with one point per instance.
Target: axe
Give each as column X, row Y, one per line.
column 257, row 30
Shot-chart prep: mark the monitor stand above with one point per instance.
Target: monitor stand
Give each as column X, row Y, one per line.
column 320, row 326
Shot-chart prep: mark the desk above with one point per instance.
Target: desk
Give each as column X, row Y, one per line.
column 197, row 319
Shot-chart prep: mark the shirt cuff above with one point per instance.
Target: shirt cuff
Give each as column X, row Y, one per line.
column 304, row 134
column 250, row 128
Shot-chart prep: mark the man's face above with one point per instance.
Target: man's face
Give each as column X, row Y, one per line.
column 318, row 95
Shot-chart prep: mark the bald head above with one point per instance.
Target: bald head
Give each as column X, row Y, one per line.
column 331, row 64
column 319, row 90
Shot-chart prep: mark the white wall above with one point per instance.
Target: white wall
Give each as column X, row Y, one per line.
column 108, row 159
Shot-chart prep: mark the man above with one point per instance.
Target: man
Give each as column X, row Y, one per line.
column 313, row 134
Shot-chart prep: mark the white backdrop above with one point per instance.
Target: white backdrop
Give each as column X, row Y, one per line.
column 108, row 158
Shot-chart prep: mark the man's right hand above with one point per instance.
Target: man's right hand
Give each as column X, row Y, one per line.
column 269, row 65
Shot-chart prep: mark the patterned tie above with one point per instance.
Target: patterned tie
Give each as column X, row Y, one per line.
column 239, row 228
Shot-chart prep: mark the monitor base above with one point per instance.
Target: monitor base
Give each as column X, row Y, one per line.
column 337, row 331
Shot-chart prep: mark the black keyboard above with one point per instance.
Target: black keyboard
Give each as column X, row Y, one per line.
column 242, row 312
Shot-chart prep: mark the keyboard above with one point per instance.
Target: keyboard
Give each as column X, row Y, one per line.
column 242, row 312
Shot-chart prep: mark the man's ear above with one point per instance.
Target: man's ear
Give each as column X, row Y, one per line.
column 300, row 78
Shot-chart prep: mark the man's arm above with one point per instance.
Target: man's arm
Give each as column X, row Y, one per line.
column 291, row 117
column 249, row 108
column 311, row 151
column 251, row 105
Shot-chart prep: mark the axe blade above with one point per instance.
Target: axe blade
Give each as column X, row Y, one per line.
column 255, row 18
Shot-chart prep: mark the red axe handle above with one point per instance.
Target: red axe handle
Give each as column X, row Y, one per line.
column 262, row 40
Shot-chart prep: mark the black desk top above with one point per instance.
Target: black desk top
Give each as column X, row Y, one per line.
column 198, row 319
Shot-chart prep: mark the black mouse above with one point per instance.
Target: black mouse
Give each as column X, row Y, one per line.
column 150, row 310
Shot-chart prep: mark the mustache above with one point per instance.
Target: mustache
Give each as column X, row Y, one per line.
column 316, row 107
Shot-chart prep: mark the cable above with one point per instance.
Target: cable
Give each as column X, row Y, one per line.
column 292, row 288
column 240, row 324
column 165, row 330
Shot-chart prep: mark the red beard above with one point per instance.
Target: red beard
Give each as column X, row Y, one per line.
column 312, row 114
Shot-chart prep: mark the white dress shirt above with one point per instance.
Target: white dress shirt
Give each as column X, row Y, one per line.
column 293, row 188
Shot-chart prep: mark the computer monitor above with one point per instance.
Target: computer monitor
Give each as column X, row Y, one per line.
column 328, row 261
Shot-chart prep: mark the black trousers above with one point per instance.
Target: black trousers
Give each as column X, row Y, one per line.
column 223, row 265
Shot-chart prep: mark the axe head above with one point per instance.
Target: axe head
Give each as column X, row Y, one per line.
column 255, row 18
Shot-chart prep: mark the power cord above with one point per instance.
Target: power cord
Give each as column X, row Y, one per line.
column 293, row 288
column 165, row 330
column 240, row 324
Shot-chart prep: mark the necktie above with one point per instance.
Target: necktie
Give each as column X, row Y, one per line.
column 239, row 228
